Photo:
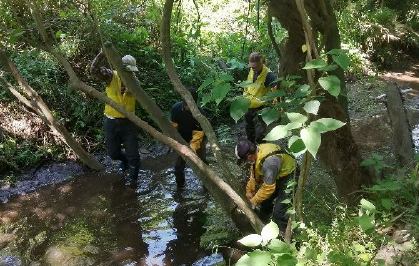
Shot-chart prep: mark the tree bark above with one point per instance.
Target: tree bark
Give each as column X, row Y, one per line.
column 39, row 106
column 338, row 152
column 403, row 144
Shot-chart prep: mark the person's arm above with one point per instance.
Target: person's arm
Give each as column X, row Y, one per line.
column 101, row 72
column 270, row 168
column 251, row 184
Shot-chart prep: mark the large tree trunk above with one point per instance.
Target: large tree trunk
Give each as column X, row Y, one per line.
column 338, row 151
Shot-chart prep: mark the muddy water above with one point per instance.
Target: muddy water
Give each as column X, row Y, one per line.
column 95, row 219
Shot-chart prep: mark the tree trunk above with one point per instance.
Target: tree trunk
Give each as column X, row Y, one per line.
column 403, row 144
column 338, row 152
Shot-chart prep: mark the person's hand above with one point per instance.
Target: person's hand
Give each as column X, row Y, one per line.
column 249, row 195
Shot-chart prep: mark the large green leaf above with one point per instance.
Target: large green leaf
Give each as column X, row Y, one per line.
column 226, row 77
column 366, row 223
column 296, row 145
column 286, row 260
column 316, row 63
column 311, row 139
column 252, row 240
column 312, row 107
column 276, row 133
column 331, row 123
column 293, row 125
column 255, row 258
column 337, row 52
column 387, row 204
column 205, row 84
column 239, row 107
column 220, row 91
column 331, row 84
column 270, row 115
column 279, row 246
column 269, row 231
column 272, row 95
column 297, row 117
column 342, row 60
column 319, row 127
column 366, row 205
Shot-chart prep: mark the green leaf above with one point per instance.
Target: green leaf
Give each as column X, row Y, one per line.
column 331, row 123
column 387, row 204
column 286, row 260
column 293, row 125
column 239, row 107
column 336, row 52
column 226, row 77
column 296, row 144
column 331, row 84
column 319, row 127
column 205, row 84
column 312, row 107
column 329, row 68
column 220, row 92
column 342, row 60
column 279, row 246
column 365, row 204
column 297, row 117
column 255, row 258
column 366, row 224
column 311, row 139
column 246, row 83
column 270, row 115
column 252, row 240
column 276, row 133
column 286, row 201
column 269, row 231
column 316, row 63
column 272, row 95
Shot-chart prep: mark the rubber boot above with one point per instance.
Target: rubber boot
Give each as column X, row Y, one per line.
column 123, row 165
column 180, row 179
column 131, row 179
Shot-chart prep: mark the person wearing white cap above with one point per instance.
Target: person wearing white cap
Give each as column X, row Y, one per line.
column 263, row 80
column 117, row 128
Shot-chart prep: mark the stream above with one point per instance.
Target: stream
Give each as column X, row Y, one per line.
column 94, row 219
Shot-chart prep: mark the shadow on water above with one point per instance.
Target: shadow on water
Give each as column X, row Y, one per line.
column 95, row 219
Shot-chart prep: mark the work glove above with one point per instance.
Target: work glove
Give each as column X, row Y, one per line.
column 251, row 184
column 263, row 193
column 197, row 137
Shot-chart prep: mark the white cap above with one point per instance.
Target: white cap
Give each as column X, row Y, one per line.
column 129, row 63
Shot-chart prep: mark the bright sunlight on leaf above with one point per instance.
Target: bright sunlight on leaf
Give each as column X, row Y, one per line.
column 269, row 231
column 255, row 258
column 276, row 133
column 312, row 107
column 331, row 84
column 252, row 240
column 311, row 139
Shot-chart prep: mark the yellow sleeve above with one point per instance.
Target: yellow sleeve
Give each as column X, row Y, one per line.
column 197, row 137
column 263, row 193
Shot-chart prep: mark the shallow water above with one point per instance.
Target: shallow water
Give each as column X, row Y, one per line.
column 94, row 219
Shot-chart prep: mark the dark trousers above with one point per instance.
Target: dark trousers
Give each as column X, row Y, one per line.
column 180, row 163
column 255, row 126
column 120, row 131
column 274, row 204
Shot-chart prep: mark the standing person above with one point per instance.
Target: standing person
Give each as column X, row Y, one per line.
column 263, row 79
column 271, row 168
column 191, row 132
column 117, row 128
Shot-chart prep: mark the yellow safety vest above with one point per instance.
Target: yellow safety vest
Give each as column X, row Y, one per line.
column 267, row 150
column 113, row 91
column 258, row 90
